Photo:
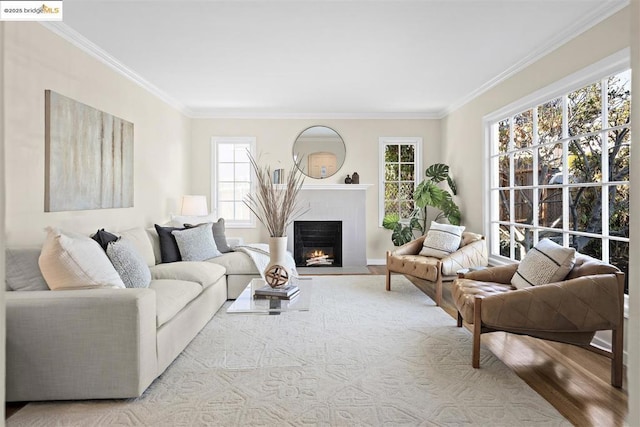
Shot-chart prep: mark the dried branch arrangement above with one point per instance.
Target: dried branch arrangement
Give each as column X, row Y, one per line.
column 275, row 206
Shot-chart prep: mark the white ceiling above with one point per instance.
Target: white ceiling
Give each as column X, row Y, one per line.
column 411, row 58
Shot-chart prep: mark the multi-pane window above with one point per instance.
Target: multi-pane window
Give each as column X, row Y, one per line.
column 400, row 171
column 231, row 179
column 560, row 170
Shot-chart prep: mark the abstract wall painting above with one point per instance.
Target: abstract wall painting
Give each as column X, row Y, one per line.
column 88, row 157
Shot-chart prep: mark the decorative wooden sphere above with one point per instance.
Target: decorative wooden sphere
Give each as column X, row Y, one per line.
column 276, row 275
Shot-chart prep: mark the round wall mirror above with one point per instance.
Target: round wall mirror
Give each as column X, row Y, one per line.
column 319, row 152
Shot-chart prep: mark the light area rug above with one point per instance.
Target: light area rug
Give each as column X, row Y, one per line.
column 360, row 356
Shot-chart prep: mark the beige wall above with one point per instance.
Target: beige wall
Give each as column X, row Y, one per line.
column 462, row 132
column 37, row 59
column 274, row 142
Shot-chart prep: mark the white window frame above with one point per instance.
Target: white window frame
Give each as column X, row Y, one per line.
column 230, row 223
column 416, row 141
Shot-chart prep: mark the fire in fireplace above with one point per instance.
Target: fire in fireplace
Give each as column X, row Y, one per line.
column 317, row 243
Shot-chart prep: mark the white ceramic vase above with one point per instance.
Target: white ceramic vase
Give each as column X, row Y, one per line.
column 277, row 254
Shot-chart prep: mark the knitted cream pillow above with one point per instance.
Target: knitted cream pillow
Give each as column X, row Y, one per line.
column 546, row 262
column 442, row 240
column 73, row 261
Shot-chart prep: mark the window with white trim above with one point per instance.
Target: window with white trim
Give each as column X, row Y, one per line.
column 559, row 169
column 400, row 172
column 231, row 179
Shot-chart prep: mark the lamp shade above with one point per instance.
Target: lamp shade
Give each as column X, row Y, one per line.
column 194, row 206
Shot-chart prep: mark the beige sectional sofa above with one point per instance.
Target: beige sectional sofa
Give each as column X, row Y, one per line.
column 109, row 343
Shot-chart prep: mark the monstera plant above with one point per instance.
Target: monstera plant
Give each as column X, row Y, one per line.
column 429, row 193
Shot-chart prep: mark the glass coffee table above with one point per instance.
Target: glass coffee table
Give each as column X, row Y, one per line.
column 245, row 303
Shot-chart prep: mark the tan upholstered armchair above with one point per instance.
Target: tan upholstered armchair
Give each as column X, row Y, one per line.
column 589, row 299
column 406, row 260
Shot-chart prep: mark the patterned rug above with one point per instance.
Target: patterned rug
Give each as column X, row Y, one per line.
column 360, row 356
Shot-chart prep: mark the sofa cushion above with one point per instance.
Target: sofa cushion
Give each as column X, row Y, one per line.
column 414, row 265
column 172, row 296
column 196, row 243
column 442, row 240
column 23, row 271
column 203, row 273
column 129, row 264
column 74, row 261
column 464, row 292
column 235, row 263
column 169, row 250
column 546, row 262
column 141, row 240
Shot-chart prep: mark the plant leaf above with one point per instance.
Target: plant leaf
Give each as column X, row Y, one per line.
column 437, row 172
column 390, row 221
column 452, row 185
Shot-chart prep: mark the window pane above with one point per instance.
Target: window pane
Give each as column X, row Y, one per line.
column 503, row 170
column 585, row 110
column 391, row 172
column 523, row 200
column 243, row 172
column 550, row 208
column 523, row 129
column 391, row 153
column 225, row 210
column 391, row 191
column 241, row 190
column 241, row 153
column 406, row 209
column 503, row 136
column 585, row 211
column 550, row 164
column 551, row 235
column 523, row 163
column 225, row 191
column 619, row 210
column 407, row 172
column 619, row 256
column 619, row 141
column 225, row 171
column 524, row 241
column 407, row 153
column 225, row 152
column 505, row 241
column 550, row 121
column 242, row 212
column 391, row 206
column 591, row 246
column 619, row 98
column 505, row 209
column 406, row 191
column 585, row 161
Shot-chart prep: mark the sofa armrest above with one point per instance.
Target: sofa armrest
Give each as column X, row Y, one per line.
column 583, row 304
column 80, row 344
column 473, row 254
column 411, row 248
column 500, row 274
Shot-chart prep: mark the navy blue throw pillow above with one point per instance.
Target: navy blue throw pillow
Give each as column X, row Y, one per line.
column 103, row 238
column 169, row 250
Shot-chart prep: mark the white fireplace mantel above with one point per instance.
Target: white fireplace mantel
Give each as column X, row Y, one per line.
column 340, row 187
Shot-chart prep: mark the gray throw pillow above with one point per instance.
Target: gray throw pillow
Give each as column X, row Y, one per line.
column 196, row 244
column 220, row 237
column 129, row 264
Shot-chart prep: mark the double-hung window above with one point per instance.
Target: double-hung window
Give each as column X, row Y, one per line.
column 231, row 179
column 400, row 173
column 559, row 169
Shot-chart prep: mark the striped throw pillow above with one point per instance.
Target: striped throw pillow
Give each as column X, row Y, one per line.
column 546, row 262
column 442, row 240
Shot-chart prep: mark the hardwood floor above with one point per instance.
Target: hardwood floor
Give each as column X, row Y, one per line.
column 575, row 381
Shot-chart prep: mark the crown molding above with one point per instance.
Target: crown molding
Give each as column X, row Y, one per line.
column 218, row 114
column 599, row 14
column 84, row 44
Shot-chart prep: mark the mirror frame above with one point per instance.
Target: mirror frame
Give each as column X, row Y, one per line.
column 321, row 153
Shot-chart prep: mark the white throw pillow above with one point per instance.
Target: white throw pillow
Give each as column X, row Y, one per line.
column 196, row 243
column 442, row 240
column 546, row 262
column 73, row 261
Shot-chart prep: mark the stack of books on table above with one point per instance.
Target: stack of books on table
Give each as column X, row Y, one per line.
column 285, row 292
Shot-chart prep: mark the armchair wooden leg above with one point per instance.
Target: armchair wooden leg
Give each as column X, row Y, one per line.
column 616, row 362
column 459, row 320
column 477, row 329
column 388, row 280
column 439, row 290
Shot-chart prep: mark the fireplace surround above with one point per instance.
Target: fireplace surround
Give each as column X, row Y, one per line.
column 317, row 243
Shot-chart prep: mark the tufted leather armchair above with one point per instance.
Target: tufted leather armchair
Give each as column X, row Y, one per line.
column 406, row 260
column 590, row 299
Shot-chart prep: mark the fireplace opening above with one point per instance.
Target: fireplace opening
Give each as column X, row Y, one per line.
column 317, row 243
